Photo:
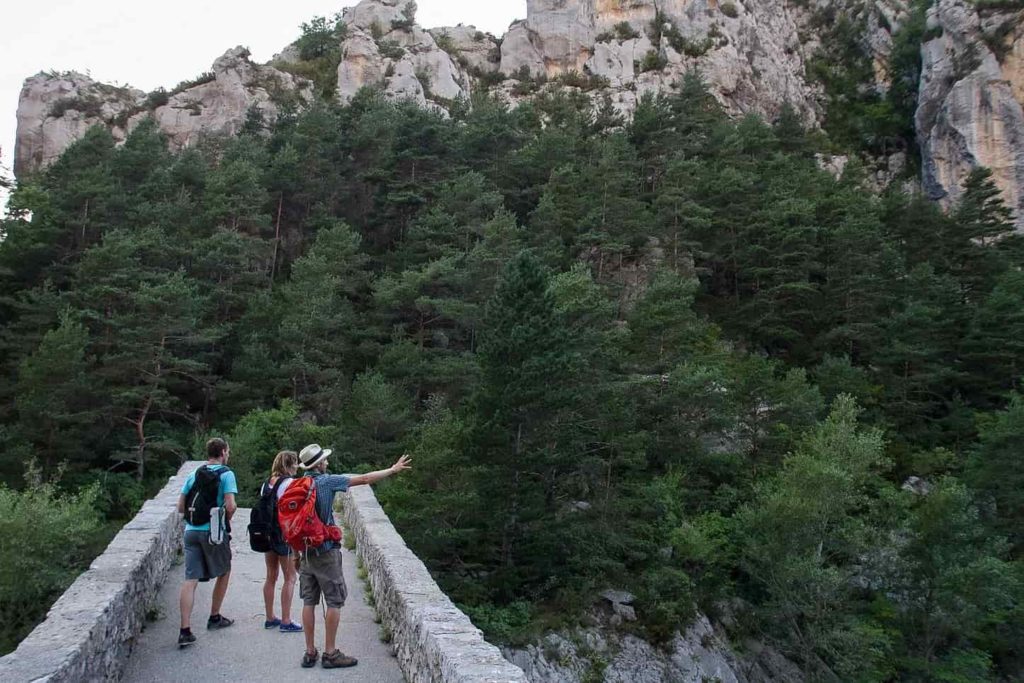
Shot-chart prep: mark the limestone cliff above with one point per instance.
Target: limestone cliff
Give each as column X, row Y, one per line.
column 969, row 108
column 54, row 110
column 754, row 55
column 748, row 51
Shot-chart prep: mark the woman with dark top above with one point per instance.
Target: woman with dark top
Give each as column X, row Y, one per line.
column 279, row 559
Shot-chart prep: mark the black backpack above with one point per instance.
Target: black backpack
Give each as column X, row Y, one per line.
column 203, row 495
column 264, row 531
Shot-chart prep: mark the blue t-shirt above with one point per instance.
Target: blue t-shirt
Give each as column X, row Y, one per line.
column 227, row 485
column 327, row 485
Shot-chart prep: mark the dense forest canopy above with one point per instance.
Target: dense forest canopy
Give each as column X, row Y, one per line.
column 669, row 354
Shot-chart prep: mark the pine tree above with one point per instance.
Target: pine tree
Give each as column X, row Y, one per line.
column 53, row 397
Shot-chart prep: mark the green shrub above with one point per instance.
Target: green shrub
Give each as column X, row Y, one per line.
column 487, row 78
column 85, row 104
column 157, row 98
column 625, row 31
column 46, row 539
column 585, row 82
column 408, row 18
column 258, row 437
column 728, row 8
column 653, row 61
column 390, row 49
column 664, row 602
column 507, row 625
column 202, row 78
column 321, row 37
column 445, row 42
column 604, row 37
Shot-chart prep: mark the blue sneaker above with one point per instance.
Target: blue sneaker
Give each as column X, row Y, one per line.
column 291, row 628
column 273, row 623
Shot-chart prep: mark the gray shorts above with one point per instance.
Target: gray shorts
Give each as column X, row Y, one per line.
column 203, row 560
column 322, row 574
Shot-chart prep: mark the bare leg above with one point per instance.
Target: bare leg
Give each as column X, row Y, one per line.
column 333, row 619
column 287, row 589
column 308, row 625
column 220, row 589
column 185, row 600
column 270, row 559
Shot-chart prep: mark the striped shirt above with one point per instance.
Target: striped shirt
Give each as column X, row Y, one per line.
column 327, row 485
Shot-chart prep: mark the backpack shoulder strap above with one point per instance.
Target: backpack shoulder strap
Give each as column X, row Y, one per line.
column 277, row 485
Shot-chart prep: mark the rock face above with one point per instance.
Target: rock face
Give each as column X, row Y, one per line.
column 699, row 654
column 752, row 53
column 54, row 110
column 384, row 48
column 220, row 106
column 969, row 108
column 749, row 51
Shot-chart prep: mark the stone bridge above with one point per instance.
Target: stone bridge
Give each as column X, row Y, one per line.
column 119, row 619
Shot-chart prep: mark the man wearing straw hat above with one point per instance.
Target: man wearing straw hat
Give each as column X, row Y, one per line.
column 320, row 573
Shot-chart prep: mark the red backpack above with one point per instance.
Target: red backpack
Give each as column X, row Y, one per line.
column 301, row 527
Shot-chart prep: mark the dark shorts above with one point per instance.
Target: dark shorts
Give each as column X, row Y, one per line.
column 321, row 574
column 282, row 549
column 203, row 560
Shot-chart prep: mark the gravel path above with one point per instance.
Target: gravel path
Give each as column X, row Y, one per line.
column 246, row 651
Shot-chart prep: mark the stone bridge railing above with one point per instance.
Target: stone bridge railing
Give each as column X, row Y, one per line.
column 91, row 629
column 432, row 638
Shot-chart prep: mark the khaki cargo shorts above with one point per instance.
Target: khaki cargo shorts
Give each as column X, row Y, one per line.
column 321, row 574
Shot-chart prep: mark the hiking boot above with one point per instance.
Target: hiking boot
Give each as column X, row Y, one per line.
column 185, row 639
column 309, row 660
column 217, row 621
column 337, row 660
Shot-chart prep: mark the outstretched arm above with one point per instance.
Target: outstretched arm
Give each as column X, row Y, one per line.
column 374, row 477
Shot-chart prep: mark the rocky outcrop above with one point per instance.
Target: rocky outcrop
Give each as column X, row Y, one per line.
column 384, row 48
column 474, row 50
column 699, row 654
column 749, row 51
column 54, row 110
column 969, row 108
column 752, row 53
column 221, row 105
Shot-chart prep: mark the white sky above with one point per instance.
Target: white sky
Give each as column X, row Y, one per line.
column 146, row 45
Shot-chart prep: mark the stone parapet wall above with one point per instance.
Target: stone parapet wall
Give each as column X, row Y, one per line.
column 90, row 631
column 433, row 640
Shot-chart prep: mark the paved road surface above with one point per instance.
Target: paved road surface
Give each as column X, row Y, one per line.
column 247, row 652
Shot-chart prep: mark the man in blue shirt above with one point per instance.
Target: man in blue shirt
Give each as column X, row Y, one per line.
column 320, row 573
column 205, row 560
